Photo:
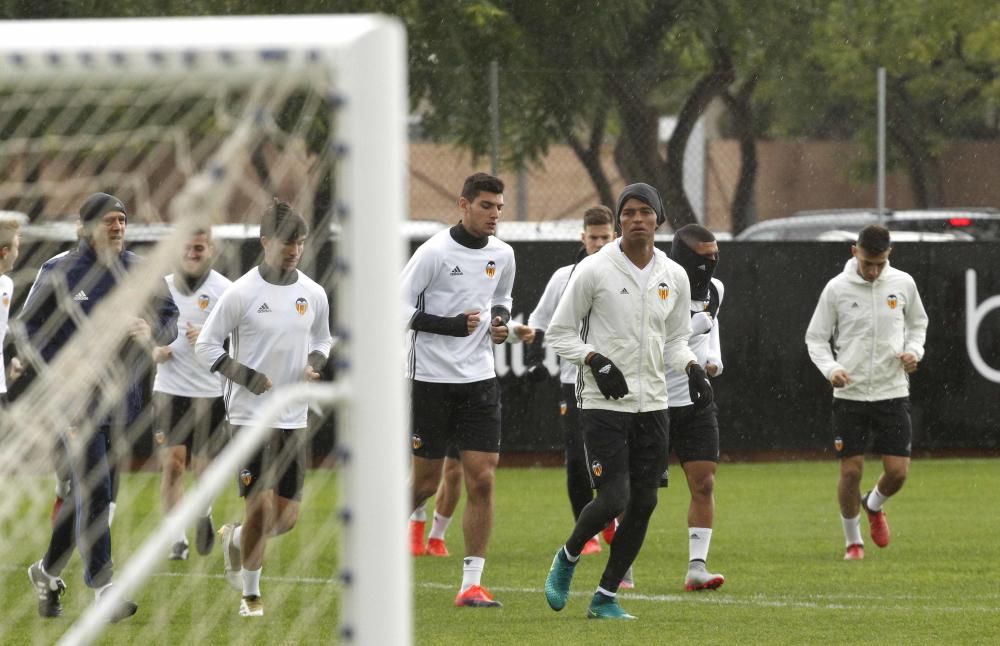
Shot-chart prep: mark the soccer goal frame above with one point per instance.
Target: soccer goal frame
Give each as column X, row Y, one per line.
column 365, row 57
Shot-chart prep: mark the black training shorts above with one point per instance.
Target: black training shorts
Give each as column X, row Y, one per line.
column 464, row 416
column 694, row 433
column 195, row 422
column 279, row 465
column 631, row 443
column 884, row 423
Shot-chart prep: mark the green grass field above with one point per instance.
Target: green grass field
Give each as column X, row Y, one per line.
column 778, row 541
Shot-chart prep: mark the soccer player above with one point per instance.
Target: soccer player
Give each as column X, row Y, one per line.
column 187, row 398
column 10, row 243
column 277, row 320
column 68, row 287
column 694, row 430
column 874, row 315
column 452, row 285
column 634, row 305
column 598, row 230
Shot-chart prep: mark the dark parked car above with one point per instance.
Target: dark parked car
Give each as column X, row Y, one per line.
column 964, row 223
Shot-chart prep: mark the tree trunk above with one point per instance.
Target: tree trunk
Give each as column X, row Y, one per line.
column 741, row 109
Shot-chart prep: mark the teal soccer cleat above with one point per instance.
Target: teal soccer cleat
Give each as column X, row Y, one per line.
column 605, row 607
column 558, row 580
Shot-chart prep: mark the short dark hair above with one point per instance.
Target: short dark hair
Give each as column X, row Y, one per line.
column 283, row 222
column 693, row 234
column 874, row 238
column 597, row 216
column 480, row 183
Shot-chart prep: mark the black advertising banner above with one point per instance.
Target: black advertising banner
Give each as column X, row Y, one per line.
column 770, row 396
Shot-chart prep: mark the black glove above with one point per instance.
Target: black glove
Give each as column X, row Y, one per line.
column 534, row 358
column 699, row 387
column 609, row 378
column 537, row 372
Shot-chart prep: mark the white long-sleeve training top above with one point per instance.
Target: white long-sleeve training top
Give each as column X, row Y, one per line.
column 704, row 343
column 541, row 316
column 272, row 329
column 870, row 325
column 606, row 310
column 445, row 278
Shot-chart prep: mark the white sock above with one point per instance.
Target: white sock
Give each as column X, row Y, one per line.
column 606, row 593
column 50, row 576
column 699, row 539
column 111, row 512
column 251, row 582
column 208, row 512
column 472, row 571
column 419, row 514
column 875, row 499
column 852, row 530
column 572, row 559
column 99, row 591
column 236, row 537
column 440, row 526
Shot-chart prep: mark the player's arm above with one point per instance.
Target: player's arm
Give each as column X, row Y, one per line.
column 713, row 362
column 502, row 303
column 677, row 353
column 320, row 340
column 415, row 279
column 563, row 333
column 915, row 319
column 210, row 346
column 818, row 335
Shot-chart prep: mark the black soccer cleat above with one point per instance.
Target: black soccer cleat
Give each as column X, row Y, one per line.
column 48, row 589
column 204, row 538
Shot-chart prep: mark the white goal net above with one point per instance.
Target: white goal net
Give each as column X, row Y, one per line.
column 199, row 124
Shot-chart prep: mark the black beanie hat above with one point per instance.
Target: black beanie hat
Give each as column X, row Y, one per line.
column 97, row 205
column 644, row 193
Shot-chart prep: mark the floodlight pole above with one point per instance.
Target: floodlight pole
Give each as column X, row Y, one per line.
column 880, row 182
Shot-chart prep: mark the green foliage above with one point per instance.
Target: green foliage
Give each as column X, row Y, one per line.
column 777, row 539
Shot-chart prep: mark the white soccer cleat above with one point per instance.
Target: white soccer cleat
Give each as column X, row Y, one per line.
column 251, row 606
column 701, row 579
column 231, row 559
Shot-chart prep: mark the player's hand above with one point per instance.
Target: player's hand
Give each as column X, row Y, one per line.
column 525, row 333
column 537, row 372
column 699, row 387
column 840, row 378
column 909, row 361
column 139, row 330
column 192, row 333
column 310, row 374
column 162, row 353
column 258, row 383
column 498, row 331
column 610, row 380
column 471, row 320
column 14, row 370
column 711, row 369
column 701, row 323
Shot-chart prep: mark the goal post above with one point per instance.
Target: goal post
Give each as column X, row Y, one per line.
column 197, row 122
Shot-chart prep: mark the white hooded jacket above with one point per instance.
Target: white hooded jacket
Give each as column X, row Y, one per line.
column 604, row 310
column 870, row 324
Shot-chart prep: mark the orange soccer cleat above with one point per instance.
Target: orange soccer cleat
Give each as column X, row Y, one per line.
column 609, row 532
column 855, row 552
column 476, row 597
column 593, row 546
column 436, row 547
column 878, row 524
column 417, row 547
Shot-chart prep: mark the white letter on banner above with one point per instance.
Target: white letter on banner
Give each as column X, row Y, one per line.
column 974, row 315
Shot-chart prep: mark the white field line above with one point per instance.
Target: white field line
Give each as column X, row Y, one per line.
column 818, row 601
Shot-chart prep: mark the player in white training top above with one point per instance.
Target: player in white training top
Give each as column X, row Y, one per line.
column 10, row 244
column 452, row 285
column 277, row 321
column 694, row 430
column 187, row 398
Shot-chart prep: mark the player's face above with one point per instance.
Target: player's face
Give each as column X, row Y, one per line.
column 595, row 236
column 638, row 221
column 283, row 254
column 198, row 254
column 708, row 250
column 109, row 233
column 480, row 216
column 9, row 253
column 870, row 265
